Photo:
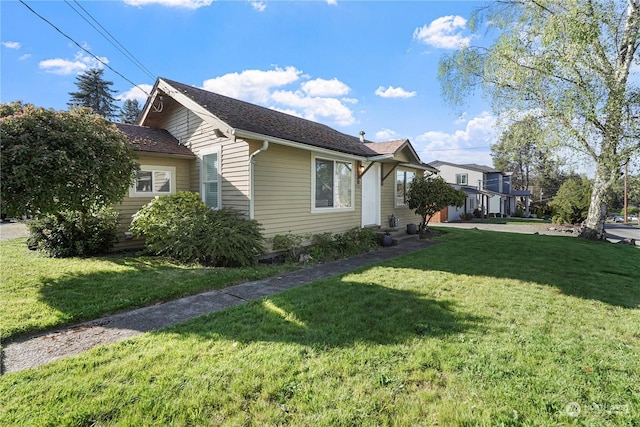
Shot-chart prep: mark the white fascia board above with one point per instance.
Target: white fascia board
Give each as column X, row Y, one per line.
column 257, row 136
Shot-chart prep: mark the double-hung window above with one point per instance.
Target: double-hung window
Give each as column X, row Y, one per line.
column 403, row 180
column 461, row 178
column 210, row 167
column 154, row 181
column 333, row 184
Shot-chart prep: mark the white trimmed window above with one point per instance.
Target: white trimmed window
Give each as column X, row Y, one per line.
column 154, row 181
column 403, row 180
column 333, row 185
column 462, row 178
column 210, row 178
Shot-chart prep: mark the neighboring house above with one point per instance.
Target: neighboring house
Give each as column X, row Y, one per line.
column 487, row 189
column 290, row 174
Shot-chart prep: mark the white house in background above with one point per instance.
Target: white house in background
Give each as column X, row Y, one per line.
column 487, row 189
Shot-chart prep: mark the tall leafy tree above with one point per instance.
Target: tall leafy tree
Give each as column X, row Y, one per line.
column 129, row 111
column 569, row 61
column 518, row 151
column 55, row 161
column 524, row 150
column 94, row 92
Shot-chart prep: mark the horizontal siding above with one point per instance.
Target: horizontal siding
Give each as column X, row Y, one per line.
column 131, row 205
column 283, row 196
column 388, row 199
column 198, row 135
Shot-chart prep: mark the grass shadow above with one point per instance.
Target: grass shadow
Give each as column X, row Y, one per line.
column 334, row 313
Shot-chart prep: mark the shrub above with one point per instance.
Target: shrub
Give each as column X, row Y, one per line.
column 466, row 216
column 329, row 247
column 356, row 241
column 182, row 227
column 70, row 233
column 323, row 247
column 291, row 243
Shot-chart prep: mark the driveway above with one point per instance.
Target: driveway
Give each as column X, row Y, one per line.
column 12, row 230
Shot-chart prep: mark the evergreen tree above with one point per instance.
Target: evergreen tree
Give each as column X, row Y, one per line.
column 129, row 111
column 94, row 92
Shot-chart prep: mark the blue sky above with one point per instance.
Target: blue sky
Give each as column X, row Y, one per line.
column 353, row 65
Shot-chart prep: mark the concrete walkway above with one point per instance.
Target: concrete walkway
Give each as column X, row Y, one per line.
column 38, row 350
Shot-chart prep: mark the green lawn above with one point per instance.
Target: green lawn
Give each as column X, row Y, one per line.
column 511, row 220
column 483, row 329
column 38, row 293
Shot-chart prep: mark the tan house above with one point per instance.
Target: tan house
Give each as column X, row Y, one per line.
column 290, row 174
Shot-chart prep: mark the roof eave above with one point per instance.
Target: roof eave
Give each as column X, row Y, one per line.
column 261, row 137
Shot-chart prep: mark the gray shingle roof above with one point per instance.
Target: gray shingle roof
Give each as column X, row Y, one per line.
column 265, row 121
column 152, row 140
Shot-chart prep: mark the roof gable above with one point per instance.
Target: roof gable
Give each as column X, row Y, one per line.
column 253, row 118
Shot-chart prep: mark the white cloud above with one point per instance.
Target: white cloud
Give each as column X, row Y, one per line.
column 78, row 64
column 252, row 85
column 138, row 92
column 25, row 56
column 332, row 2
column 260, row 6
column 316, row 99
column 394, row 92
column 185, row 4
column 322, row 87
column 444, row 32
column 386, row 135
column 12, row 45
column 469, row 145
column 316, row 108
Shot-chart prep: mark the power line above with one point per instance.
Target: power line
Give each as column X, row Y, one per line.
column 111, row 39
column 80, row 46
column 461, row 149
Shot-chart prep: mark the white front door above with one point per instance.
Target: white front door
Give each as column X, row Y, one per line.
column 371, row 196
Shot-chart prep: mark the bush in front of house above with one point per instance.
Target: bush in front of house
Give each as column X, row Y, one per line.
column 71, row 233
column 291, row 244
column 182, row 227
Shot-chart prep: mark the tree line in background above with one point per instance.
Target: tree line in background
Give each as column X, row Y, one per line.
column 95, row 92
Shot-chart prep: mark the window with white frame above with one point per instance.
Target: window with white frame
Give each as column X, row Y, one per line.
column 154, row 181
column 461, row 178
column 403, row 180
column 333, row 184
column 210, row 179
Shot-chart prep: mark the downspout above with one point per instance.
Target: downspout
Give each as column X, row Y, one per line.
column 265, row 146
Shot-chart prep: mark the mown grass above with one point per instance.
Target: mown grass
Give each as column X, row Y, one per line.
column 37, row 292
column 512, row 220
column 483, row 329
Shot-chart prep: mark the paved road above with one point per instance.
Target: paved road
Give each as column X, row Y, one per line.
column 12, row 230
column 617, row 232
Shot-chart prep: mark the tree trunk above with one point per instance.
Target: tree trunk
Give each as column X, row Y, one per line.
column 593, row 227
